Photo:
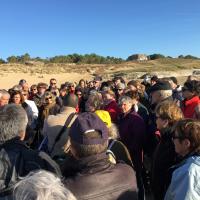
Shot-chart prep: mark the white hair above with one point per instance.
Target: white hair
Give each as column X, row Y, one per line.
column 165, row 93
column 41, row 185
column 4, row 93
column 123, row 99
column 13, row 121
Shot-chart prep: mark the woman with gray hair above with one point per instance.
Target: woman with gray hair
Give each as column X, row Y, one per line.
column 41, row 185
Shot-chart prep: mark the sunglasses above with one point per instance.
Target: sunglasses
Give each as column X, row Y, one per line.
column 46, row 99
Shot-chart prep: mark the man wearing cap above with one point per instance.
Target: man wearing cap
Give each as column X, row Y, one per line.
column 41, row 88
column 97, row 83
column 97, row 178
column 54, row 124
column 159, row 92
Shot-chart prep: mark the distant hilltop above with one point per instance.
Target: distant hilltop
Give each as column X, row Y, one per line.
column 88, row 58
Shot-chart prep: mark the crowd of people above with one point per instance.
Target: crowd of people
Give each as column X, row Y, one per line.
column 97, row 139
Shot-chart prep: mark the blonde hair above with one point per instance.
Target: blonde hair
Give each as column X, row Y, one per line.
column 169, row 110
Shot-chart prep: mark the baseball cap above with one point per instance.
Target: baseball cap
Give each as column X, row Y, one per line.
column 85, row 123
column 160, row 85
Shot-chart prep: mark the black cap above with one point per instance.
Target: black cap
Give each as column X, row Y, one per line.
column 161, row 85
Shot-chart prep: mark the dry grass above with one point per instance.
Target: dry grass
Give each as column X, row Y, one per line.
column 129, row 70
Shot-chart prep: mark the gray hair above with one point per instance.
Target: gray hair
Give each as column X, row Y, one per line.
column 13, row 121
column 113, row 131
column 123, row 99
column 41, row 185
column 4, row 93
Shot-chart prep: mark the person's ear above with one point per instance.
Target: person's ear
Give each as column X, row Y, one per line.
column 165, row 123
column 187, row 143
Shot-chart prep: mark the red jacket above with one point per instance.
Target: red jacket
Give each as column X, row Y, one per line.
column 189, row 107
column 113, row 110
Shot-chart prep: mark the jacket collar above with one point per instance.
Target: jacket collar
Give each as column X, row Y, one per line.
column 94, row 163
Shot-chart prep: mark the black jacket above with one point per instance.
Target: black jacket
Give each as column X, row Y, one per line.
column 164, row 158
column 17, row 160
column 98, row 179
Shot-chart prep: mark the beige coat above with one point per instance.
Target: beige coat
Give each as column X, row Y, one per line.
column 53, row 125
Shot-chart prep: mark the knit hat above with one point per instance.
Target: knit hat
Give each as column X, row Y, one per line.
column 160, row 85
column 70, row 100
column 104, row 116
column 85, row 123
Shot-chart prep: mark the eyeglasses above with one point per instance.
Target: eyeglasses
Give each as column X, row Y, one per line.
column 46, row 99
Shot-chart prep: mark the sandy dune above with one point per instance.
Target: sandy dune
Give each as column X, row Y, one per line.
column 10, row 79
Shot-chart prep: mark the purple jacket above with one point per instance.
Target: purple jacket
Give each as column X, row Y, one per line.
column 132, row 133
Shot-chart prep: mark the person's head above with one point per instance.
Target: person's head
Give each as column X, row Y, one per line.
column 154, row 80
column 160, row 91
column 22, row 81
column 72, row 86
column 120, row 88
column 63, row 90
column 13, row 122
column 41, row 88
column 82, row 83
column 97, row 81
column 16, row 97
column 135, row 85
column 125, row 104
column 70, row 100
column 94, row 102
column 33, row 89
column 4, row 97
column 25, row 94
column 190, row 89
column 25, row 87
column 48, row 98
column 41, row 185
column 134, row 95
column 53, row 83
column 186, row 137
column 108, row 96
column 117, row 80
column 167, row 114
column 174, row 82
column 88, row 135
column 192, row 78
column 79, row 92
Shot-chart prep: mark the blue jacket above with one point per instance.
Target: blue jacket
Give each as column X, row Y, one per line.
column 185, row 184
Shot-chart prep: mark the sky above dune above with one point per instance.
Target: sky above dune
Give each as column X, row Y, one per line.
column 119, row 28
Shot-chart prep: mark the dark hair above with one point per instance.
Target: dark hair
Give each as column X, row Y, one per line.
column 190, row 129
column 174, row 79
column 133, row 95
column 15, row 92
column 154, row 78
column 88, row 150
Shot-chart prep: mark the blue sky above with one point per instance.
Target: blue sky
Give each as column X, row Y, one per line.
column 119, row 28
